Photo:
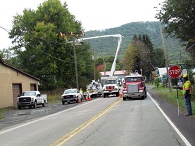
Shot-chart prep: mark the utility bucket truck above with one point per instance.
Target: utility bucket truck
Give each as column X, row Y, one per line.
column 110, row 85
column 94, row 89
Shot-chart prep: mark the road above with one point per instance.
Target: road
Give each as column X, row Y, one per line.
column 101, row 122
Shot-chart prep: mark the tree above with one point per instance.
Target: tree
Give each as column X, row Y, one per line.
column 157, row 82
column 9, row 57
column 158, row 58
column 139, row 55
column 132, row 57
column 178, row 17
column 43, row 52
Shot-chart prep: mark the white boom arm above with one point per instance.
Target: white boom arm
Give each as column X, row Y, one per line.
column 119, row 36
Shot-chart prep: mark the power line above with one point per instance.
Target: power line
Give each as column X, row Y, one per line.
column 40, row 50
column 5, row 29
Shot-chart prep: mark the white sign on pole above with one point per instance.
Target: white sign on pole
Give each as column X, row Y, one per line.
column 184, row 71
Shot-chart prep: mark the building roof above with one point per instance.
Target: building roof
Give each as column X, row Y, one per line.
column 9, row 66
column 117, row 72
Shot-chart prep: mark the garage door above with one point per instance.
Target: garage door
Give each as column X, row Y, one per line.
column 33, row 87
column 17, row 90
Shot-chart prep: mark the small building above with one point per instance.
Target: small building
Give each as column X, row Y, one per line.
column 160, row 72
column 12, row 83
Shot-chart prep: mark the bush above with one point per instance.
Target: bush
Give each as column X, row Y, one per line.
column 157, row 82
column 51, row 98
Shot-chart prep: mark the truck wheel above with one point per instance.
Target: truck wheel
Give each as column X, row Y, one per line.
column 117, row 94
column 104, row 95
column 63, row 102
column 43, row 104
column 146, row 95
column 19, row 107
column 124, row 98
column 29, row 106
column 35, row 105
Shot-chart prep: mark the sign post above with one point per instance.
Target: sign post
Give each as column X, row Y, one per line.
column 174, row 72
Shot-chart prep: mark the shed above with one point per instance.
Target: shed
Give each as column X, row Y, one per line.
column 13, row 82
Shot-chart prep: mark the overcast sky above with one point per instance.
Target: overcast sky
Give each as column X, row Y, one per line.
column 93, row 14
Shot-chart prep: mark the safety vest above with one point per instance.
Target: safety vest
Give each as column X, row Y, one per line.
column 187, row 86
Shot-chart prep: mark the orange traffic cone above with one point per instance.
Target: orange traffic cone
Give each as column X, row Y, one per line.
column 121, row 93
column 79, row 100
column 87, row 97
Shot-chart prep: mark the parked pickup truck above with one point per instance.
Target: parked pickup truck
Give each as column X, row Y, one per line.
column 70, row 95
column 31, row 99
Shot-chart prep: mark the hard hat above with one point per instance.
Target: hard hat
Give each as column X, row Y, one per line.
column 185, row 76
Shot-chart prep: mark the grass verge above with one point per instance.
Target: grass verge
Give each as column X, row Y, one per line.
column 172, row 97
column 2, row 111
column 53, row 98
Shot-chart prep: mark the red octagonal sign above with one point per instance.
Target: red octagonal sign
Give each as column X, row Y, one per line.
column 174, row 71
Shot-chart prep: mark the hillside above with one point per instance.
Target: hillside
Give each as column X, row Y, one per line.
column 107, row 46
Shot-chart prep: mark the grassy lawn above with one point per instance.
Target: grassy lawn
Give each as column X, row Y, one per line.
column 2, row 111
column 171, row 97
column 53, row 98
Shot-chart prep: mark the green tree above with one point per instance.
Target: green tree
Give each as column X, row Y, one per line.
column 138, row 56
column 158, row 58
column 178, row 17
column 157, row 82
column 43, row 52
column 9, row 57
column 130, row 58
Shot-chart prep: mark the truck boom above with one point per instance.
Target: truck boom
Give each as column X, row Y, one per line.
column 119, row 36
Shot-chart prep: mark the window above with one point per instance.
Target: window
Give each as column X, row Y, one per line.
column 134, row 79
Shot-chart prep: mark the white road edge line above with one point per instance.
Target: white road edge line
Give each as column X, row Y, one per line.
column 171, row 123
column 42, row 118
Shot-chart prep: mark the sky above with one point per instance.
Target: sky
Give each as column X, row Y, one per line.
column 93, row 14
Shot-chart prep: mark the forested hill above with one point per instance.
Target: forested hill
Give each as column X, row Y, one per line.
column 107, row 46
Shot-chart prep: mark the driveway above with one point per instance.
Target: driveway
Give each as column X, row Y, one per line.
column 15, row 116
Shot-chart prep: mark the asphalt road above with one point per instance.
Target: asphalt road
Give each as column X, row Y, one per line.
column 15, row 116
column 98, row 122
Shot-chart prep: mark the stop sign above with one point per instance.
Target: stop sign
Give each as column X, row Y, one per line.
column 174, row 71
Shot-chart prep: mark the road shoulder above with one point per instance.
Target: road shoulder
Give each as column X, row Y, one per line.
column 186, row 125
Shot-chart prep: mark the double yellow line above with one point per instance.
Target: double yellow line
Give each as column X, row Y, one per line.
column 68, row 136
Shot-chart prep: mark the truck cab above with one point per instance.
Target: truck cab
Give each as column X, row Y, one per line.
column 111, row 87
column 134, row 87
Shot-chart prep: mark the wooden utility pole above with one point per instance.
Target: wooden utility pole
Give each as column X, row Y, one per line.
column 75, row 61
column 165, row 58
